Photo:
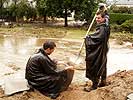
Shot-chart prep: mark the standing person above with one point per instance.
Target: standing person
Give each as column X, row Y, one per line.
column 96, row 53
column 42, row 73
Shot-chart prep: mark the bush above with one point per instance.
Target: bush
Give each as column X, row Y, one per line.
column 122, row 9
column 130, row 10
column 122, row 37
column 118, row 18
column 128, row 25
column 115, row 28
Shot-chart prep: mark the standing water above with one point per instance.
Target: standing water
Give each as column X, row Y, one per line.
column 15, row 51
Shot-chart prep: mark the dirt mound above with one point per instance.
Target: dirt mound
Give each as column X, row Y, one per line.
column 119, row 85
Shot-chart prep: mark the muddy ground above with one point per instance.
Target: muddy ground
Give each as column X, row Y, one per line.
column 119, row 85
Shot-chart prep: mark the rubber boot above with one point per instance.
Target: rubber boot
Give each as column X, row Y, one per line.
column 103, row 83
column 93, row 87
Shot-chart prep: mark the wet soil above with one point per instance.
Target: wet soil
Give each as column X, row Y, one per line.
column 119, row 84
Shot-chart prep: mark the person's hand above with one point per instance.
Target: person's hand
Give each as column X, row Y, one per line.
column 55, row 61
column 69, row 67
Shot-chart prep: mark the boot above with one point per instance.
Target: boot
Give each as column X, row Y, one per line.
column 93, row 87
column 103, row 83
column 51, row 95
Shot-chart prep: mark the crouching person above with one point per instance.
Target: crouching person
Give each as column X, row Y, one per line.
column 42, row 73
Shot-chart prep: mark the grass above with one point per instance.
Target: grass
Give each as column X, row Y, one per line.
column 122, row 37
column 45, row 31
column 58, row 32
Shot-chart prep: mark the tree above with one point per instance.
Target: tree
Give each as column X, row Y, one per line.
column 84, row 9
column 25, row 10
column 12, row 10
column 2, row 10
column 18, row 9
column 42, row 9
column 59, row 8
column 62, row 8
column 54, row 8
column 67, row 6
column 31, row 12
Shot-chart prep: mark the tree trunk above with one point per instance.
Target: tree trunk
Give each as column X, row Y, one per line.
column 66, row 24
column 16, row 18
column 1, row 10
column 44, row 19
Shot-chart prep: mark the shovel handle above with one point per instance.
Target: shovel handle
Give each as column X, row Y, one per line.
column 86, row 35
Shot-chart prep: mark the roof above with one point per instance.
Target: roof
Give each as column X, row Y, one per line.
column 120, row 2
column 124, row 2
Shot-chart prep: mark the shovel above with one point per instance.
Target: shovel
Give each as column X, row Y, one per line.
column 77, row 60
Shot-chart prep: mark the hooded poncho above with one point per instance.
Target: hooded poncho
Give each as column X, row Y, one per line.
column 42, row 74
column 96, row 51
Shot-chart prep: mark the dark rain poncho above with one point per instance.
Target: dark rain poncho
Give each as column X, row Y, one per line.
column 41, row 73
column 96, row 51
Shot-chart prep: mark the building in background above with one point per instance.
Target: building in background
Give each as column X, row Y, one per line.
column 125, row 3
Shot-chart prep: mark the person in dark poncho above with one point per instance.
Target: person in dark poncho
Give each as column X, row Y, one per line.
column 96, row 52
column 42, row 73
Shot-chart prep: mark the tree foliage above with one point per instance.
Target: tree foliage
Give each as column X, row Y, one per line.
column 50, row 8
column 2, row 9
column 84, row 9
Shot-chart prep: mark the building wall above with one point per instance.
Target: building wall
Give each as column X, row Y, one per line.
column 128, row 3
